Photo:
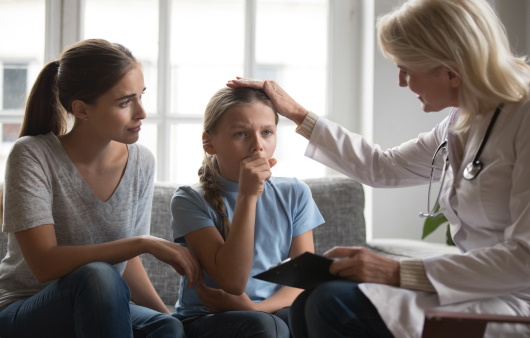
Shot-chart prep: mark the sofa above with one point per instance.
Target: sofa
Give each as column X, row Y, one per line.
column 341, row 202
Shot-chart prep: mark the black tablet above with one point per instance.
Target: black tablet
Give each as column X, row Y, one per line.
column 305, row 271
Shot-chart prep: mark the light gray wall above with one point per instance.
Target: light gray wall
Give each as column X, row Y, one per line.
column 398, row 117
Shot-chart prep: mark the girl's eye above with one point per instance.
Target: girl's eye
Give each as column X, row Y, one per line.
column 267, row 132
column 125, row 104
column 240, row 133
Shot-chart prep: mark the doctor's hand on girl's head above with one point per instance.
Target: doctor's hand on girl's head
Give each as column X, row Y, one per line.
column 254, row 171
column 285, row 105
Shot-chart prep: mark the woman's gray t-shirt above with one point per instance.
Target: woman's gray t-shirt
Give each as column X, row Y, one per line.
column 43, row 186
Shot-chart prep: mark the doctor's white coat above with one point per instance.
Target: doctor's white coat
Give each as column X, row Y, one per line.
column 489, row 216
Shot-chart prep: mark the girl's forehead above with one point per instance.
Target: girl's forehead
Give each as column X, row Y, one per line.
column 251, row 112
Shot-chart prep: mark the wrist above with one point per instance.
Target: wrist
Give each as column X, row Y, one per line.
column 145, row 244
column 299, row 115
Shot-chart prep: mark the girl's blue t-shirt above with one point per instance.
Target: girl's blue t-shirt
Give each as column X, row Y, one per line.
column 285, row 209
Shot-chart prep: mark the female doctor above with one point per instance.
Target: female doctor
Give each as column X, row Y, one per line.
column 451, row 53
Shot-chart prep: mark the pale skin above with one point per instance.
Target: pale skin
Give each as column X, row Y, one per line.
column 244, row 143
column 96, row 145
column 436, row 89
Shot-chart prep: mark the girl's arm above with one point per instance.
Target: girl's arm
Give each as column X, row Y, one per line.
column 229, row 262
column 286, row 295
column 49, row 261
column 142, row 290
column 218, row 301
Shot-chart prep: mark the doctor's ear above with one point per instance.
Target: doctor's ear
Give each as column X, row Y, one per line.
column 454, row 77
column 207, row 143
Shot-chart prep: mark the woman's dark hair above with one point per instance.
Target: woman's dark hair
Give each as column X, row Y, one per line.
column 83, row 72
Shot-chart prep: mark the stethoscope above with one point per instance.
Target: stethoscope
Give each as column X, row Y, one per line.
column 475, row 167
column 471, row 171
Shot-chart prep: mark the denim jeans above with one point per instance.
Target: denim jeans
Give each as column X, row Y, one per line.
column 92, row 301
column 335, row 309
column 239, row 324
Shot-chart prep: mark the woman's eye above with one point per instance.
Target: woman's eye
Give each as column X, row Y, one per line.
column 267, row 132
column 240, row 133
column 125, row 103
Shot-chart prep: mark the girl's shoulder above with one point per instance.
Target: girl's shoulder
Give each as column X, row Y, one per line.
column 190, row 193
column 289, row 185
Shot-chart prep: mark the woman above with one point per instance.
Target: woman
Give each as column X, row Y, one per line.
column 77, row 206
column 240, row 221
column 451, row 53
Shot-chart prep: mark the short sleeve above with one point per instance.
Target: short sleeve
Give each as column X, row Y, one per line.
column 306, row 214
column 190, row 212
column 28, row 192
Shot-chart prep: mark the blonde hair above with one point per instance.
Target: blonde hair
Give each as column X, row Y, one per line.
column 467, row 37
column 220, row 102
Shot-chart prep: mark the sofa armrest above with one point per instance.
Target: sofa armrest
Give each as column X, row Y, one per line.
column 410, row 248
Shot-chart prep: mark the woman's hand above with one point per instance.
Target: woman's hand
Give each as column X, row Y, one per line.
column 363, row 265
column 254, row 171
column 179, row 257
column 217, row 300
column 283, row 103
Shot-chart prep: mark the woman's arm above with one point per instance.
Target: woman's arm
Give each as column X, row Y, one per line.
column 142, row 291
column 49, row 261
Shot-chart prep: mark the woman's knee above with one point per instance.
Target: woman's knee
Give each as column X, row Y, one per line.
column 98, row 280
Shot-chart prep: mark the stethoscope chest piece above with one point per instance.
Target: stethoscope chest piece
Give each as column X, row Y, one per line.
column 472, row 169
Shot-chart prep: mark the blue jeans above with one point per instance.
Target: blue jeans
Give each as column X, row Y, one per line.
column 92, row 301
column 239, row 324
column 335, row 309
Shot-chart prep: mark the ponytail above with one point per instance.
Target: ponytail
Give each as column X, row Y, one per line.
column 43, row 112
column 211, row 191
column 85, row 72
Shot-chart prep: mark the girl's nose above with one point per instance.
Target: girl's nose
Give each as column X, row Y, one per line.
column 257, row 145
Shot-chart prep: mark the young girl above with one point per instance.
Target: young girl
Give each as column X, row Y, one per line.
column 240, row 221
column 77, row 207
